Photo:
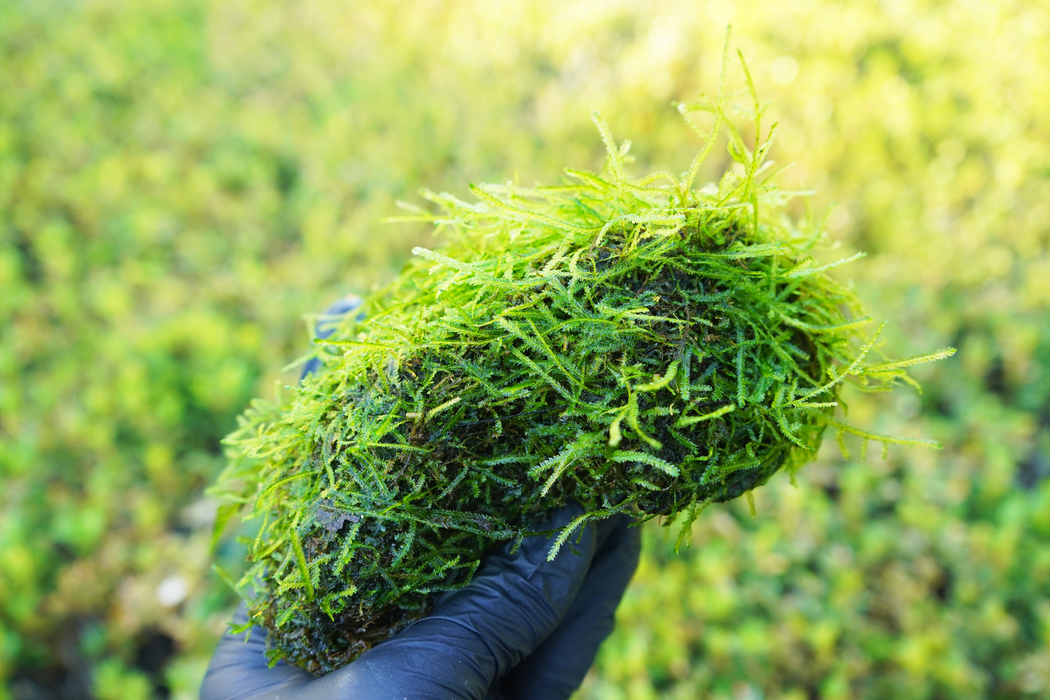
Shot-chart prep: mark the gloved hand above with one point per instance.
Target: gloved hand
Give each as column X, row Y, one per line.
column 523, row 628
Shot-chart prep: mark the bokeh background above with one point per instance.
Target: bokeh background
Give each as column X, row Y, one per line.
column 183, row 181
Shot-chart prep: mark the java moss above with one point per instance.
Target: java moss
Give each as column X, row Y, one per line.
column 635, row 344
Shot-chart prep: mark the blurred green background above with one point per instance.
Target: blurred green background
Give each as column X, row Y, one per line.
column 182, row 181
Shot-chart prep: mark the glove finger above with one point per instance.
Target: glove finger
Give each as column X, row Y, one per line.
column 558, row 666
column 519, row 599
column 327, row 324
column 239, row 669
column 478, row 633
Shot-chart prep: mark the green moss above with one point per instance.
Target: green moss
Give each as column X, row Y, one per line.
column 636, row 345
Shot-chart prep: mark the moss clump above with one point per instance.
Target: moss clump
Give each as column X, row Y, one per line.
column 633, row 344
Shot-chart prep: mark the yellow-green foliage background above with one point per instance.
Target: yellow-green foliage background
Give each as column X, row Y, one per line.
column 182, row 180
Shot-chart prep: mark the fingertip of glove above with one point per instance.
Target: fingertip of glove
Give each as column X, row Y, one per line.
column 579, row 541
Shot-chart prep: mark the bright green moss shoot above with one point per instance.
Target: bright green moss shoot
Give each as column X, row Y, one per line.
column 634, row 344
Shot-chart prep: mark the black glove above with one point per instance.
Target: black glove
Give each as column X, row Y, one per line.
column 326, row 325
column 523, row 628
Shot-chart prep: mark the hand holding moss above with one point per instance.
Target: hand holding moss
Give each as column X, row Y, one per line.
column 523, row 628
column 635, row 345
